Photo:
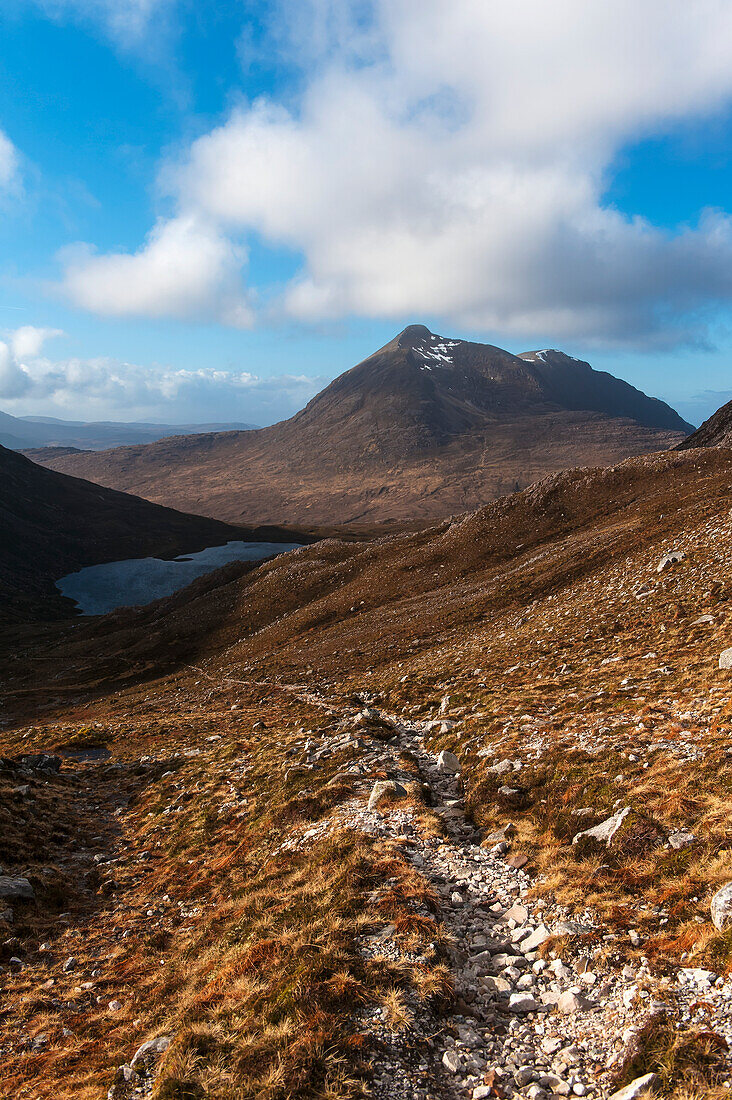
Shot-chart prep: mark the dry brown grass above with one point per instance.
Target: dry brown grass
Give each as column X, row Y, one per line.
column 253, row 961
column 687, row 1062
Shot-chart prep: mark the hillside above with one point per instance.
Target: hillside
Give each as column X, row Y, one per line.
column 424, row 428
column 353, row 787
column 714, row 432
column 53, row 524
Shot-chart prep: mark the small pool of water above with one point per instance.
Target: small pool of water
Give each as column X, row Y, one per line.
column 102, row 588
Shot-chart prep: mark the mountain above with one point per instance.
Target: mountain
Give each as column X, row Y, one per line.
column 714, row 432
column 25, row 432
column 426, row 427
column 53, row 524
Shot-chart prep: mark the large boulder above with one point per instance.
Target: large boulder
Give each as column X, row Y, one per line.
column 649, row 1082
column 721, row 907
column 153, row 1048
column 385, row 788
column 605, row 831
column 669, row 560
column 41, row 762
column 448, row 763
column 16, row 888
column 569, row 1003
column 725, row 659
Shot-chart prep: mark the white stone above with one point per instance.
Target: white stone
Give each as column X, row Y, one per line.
column 721, row 905
column 570, row 1002
column 536, row 939
column 151, row 1049
column 451, row 1061
column 668, row 560
column 385, row 788
column 648, row 1082
column 522, row 1002
column 725, row 658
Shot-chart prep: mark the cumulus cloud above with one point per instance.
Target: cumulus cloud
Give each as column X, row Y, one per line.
column 75, row 387
column 16, row 379
column 186, row 269
column 451, row 160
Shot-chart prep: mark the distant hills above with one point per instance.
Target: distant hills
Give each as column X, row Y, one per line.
column 426, row 427
column 24, row 432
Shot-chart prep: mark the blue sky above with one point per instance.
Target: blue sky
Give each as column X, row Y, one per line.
column 207, row 211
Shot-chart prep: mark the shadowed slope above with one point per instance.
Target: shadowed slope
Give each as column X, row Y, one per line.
column 53, row 524
column 714, row 432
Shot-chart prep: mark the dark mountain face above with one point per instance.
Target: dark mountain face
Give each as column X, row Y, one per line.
column 574, row 384
column 714, row 432
column 425, row 427
column 419, row 391
column 53, row 524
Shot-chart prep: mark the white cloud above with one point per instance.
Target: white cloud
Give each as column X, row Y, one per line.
column 9, row 163
column 27, row 341
column 16, row 380
column 31, row 382
column 450, row 160
column 186, row 269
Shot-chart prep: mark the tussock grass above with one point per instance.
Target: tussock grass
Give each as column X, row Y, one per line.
column 687, row 1062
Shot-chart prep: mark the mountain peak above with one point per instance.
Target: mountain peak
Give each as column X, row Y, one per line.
column 429, row 349
column 413, row 334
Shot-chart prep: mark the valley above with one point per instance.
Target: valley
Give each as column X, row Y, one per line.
column 365, row 572
column 323, row 826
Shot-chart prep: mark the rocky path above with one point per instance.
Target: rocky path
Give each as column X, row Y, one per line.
column 546, row 1003
column 525, row 1022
